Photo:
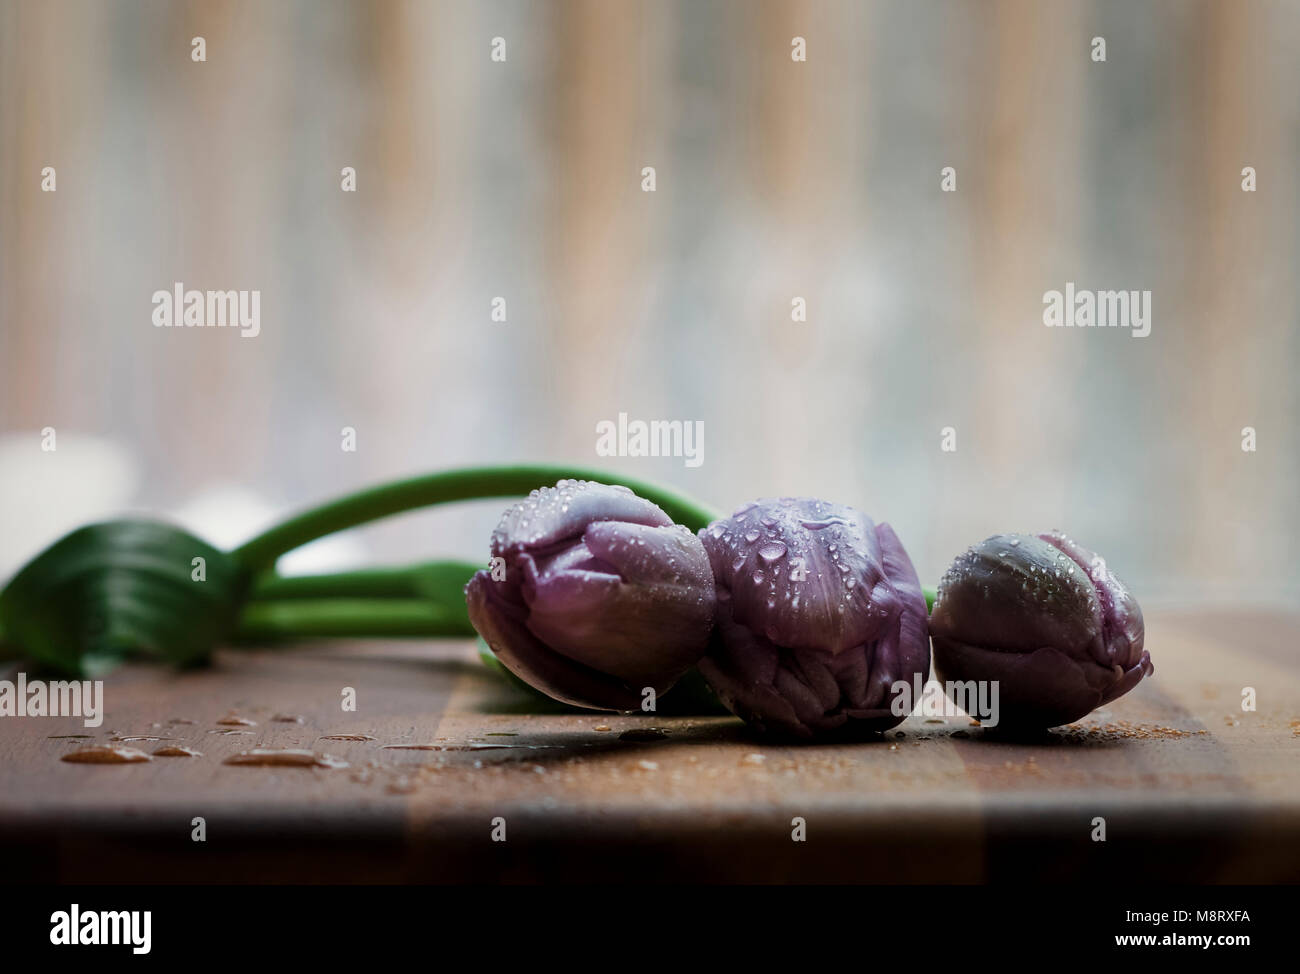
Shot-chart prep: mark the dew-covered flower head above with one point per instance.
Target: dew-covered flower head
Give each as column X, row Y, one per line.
column 597, row 595
column 820, row 613
column 1047, row 619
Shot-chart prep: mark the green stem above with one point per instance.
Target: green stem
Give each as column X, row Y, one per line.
column 437, row 580
column 357, row 618
column 929, row 598
column 451, row 485
column 414, row 600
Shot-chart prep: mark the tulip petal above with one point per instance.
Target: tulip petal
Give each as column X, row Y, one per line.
column 1121, row 617
column 1016, row 594
column 641, row 612
column 1042, row 688
column 502, row 626
column 1132, row 676
column 643, row 555
column 805, row 573
column 553, row 515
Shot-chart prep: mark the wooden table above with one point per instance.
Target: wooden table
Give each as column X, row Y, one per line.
column 1189, row 786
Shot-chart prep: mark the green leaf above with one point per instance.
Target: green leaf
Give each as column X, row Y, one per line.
column 121, row 587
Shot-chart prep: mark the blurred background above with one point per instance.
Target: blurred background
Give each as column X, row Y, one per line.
column 775, row 180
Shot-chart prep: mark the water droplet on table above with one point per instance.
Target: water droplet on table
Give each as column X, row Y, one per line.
column 106, row 755
column 285, row 758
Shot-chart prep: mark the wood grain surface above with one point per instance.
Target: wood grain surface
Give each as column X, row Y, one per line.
column 1190, row 786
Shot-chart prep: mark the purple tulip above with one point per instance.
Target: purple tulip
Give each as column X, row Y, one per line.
column 597, row 596
column 820, row 613
column 1047, row 619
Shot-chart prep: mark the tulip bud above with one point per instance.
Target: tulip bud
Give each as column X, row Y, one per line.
column 602, row 597
column 820, row 613
column 1047, row 619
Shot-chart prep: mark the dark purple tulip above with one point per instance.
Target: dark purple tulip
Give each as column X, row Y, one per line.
column 602, row 595
column 1047, row 619
column 820, row 612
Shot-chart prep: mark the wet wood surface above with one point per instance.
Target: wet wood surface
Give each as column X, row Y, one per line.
column 440, row 754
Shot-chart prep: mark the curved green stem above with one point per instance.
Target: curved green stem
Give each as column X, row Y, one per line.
column 357, row 618
column 426, row 599
column 451, row 485
column 436, row 579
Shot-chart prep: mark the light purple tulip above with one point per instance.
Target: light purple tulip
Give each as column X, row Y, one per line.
column 602, row 595
column 820, row 613
column 1047, row 619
